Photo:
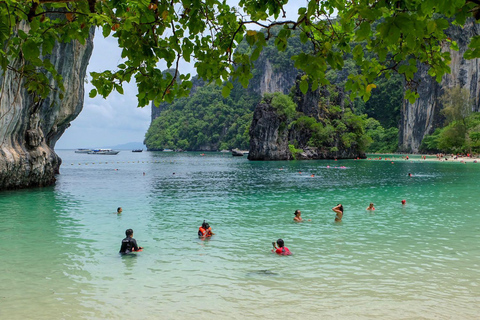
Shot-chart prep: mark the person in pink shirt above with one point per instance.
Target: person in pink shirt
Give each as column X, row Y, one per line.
column 281, row 249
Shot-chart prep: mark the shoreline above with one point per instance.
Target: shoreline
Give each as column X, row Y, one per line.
column 419, row 158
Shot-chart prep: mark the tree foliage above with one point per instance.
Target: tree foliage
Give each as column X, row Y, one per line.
column 337, row 128
column 383, row 140
column 204, row 121
column 208, row 32
column 461, row 132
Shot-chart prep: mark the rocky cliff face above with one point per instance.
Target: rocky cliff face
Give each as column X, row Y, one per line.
column 30, row 128
column 268, row 135
column 271, row 134
column 268, row 79
column 423, row 117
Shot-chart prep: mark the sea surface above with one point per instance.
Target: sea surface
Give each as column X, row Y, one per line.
column 59, row 245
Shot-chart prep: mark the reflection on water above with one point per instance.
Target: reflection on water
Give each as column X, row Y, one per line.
column 417, row 261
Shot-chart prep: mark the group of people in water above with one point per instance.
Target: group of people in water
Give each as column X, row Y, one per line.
column 129, row 244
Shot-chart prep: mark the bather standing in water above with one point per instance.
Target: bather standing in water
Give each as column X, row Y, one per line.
column 298, row 216
column 339, row 211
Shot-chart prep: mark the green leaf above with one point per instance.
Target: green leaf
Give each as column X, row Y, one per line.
column 119, row 88
column 364, row 31
column 106, row 29
column 226, row 91
column 93, row 93
column 30, row 50
column 304, row 86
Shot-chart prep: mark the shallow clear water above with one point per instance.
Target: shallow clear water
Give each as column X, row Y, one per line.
column 59, row 253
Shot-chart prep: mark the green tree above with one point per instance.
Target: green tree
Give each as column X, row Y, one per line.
column 457, row 104
column 208, row 32
column 460, row 133
column 205, row 120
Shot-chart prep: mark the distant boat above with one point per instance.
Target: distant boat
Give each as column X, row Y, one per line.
column 224, row 151
column 83, row 150
column 103, row 151
column 167, row 150
column 137, row 150
column 237, row 153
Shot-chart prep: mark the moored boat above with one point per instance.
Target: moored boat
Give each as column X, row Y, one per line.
column 104, row 151
column 137, row 150
column 83, row 150
column 237, row 153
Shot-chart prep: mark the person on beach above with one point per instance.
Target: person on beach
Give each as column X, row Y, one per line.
column 281, row 249
column 339, row 211
column 298, row 216
column 371, row 207
column 119, row 210
column 129, row 244
column 205, row 231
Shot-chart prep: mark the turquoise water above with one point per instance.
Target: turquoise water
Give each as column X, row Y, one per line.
column 59, row 253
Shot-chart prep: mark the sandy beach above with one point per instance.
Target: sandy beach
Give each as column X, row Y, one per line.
column 422, row 158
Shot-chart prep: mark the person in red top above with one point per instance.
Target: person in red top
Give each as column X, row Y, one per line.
column 281, row 249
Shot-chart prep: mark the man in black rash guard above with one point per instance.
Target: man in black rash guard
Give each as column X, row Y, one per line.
column 129, row 244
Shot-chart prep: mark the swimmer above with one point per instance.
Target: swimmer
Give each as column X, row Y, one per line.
column 404, row 202
column 119, row 210
column 298, row 216
column 371, row 207
column 409, row 174
column 129, row 244
column 339, row 211
column 205, row 231
column 281, row 249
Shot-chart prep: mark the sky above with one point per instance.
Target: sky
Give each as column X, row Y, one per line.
column 116, row 120
column 111, row 121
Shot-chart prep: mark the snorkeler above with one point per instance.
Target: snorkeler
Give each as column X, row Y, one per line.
column 129, row 244
column 281, row 249
column 205, row 230
column 339, row 211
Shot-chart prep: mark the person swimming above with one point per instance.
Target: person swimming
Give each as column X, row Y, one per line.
column 298, row 216
column 205, row 231
column 281, row 249
column 129, row 244
column 371, row 207
column 339, row 211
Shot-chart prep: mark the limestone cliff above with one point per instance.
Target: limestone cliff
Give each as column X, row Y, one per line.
column 30, row 128
column 423, row 117
column 269, row 78
column 271, row 133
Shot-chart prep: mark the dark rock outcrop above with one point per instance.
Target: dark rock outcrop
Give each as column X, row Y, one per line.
column 423, row 116
column 271, row 134
column 268, row 135
column 29, row 129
